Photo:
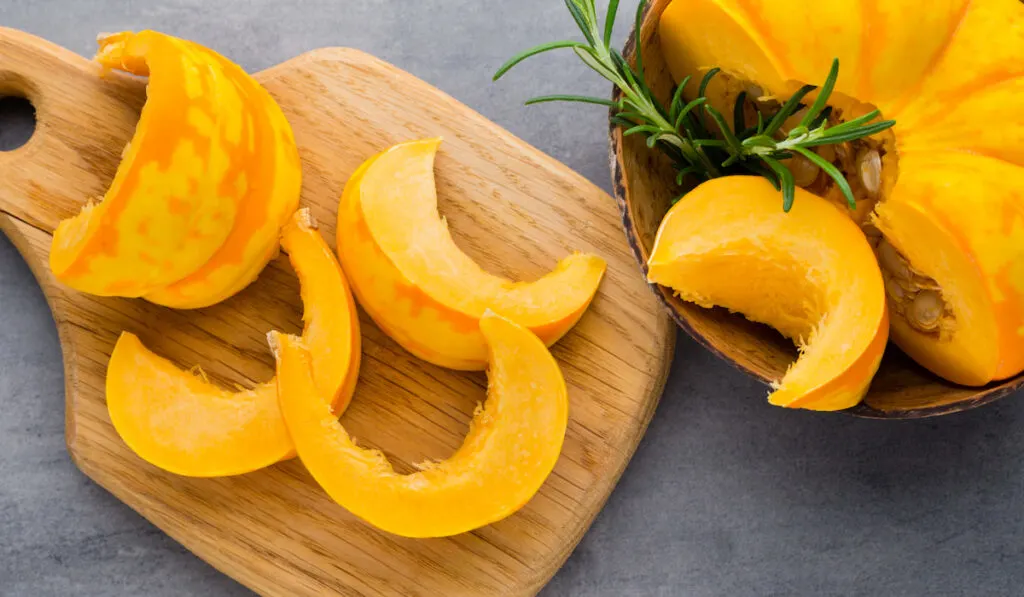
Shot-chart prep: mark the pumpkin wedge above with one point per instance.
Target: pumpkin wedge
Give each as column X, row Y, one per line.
column 948, row 200
column 420, row 288
column 809, row 273
column 513, row 443
column 181, row 422
column 210, row 176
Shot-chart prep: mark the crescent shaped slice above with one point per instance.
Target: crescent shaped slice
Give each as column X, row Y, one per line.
column 420, row 287
column 513, row 443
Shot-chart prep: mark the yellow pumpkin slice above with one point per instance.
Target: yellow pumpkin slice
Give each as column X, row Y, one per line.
column 208, row 179
column 181, row 422
column 420, row 288
column 809, row 273
column 512, row 446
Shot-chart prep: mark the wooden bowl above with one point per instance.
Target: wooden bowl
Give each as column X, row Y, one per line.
column 644, row 185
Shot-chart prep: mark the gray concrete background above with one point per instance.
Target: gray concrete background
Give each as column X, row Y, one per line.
column 726, row 495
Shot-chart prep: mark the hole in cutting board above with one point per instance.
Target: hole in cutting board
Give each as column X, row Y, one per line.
column 17, row 122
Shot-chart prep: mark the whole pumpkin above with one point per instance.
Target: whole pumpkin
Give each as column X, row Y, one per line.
column 949, row 202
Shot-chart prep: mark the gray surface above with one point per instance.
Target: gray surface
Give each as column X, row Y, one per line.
column 726, row 496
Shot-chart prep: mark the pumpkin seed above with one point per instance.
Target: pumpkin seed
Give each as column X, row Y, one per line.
column 869, row 165
column 926, row 311
column 891, row 260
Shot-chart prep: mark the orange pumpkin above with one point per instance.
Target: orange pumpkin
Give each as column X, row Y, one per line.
column 950, row 204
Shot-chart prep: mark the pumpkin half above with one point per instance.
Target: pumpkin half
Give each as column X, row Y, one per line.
column 211, row 174
column 420, row 288
column 181, row 422
column 513, row 443
column 948, row 203
column 809, row 273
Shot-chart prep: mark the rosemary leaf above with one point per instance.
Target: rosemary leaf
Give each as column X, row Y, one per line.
column 702, row 90
column 853, row 135
column 854, row 124
column 823, row 95
column 642, row 128
column 738, row 120
column 759, row 141
column 554, row 45
column 639, row 38
column 581, row 21
column 571, row 98
column 786, row 179
column 787, row 110
column 689, row 108
column 677, row 100
column 821, row 119
column 730, row 137
column 609, row 21
column 682, row 174
column 589, row 58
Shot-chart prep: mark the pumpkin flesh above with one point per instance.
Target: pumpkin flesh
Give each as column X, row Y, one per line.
column 514, row 441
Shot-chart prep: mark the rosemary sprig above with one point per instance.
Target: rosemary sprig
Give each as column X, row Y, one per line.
column 683, row 129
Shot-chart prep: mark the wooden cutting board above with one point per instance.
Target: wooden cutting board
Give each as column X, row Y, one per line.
column 511, row 207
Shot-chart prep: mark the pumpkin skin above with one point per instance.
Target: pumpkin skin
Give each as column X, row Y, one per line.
column 951, row 76
column 809, row 273
column 212, row 173
column 183, row 423
column 514, row 441
column 420, row 288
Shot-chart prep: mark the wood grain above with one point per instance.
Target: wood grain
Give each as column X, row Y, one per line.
column 512, row 208
column 644, row 186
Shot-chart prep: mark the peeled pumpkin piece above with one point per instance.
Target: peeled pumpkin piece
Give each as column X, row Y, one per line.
column 420, row 288
column 951, row 206
column 181, row 422
column 513, row 443
column 809, row 273
column 210, row 176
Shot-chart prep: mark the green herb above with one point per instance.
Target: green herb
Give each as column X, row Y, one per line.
column 683, row 129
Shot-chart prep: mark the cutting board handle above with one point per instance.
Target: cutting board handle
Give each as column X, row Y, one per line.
column 79, row 108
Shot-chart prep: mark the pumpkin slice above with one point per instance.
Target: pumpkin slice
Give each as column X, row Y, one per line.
column 809, row 273
column 183, row 423
column 208, row 179
column 513, row 443
column 171, row 205
column 954, row 264
column 420, row 288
